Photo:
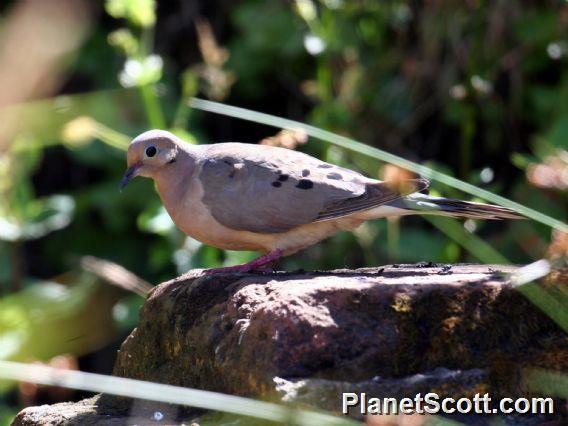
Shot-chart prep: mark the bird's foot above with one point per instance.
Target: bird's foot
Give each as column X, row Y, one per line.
column 260, row 264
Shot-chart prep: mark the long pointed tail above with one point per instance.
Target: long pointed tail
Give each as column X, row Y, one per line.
column 425, row 204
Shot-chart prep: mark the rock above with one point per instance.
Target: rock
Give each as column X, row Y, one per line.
column 327, row 393
column 56, row 414
column 91, row 411
column 306, row 337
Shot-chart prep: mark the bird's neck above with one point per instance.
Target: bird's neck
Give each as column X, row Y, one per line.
column 173, row 180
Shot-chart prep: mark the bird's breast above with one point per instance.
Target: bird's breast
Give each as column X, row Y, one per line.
column 192, row 217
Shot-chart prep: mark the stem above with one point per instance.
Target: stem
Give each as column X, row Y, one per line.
column 152, row 106
column 393, row 237
column 468, row 131
column 112, row 137
column 552, row 305
column 17, row 266
column 182, row 113
column 146, row 40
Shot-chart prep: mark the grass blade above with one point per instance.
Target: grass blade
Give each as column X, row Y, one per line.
column 547, row 382
column 164, row 393
column 379, row 154
column 553, row 305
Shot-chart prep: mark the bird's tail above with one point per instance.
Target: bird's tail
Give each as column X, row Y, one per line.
column 425, row 204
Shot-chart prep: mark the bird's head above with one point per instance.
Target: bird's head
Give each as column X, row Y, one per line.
column 149, row 154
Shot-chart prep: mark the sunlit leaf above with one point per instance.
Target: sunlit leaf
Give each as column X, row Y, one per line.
column 141, row 72
column 156, row 219
column 48, row 318
column 47, row 215
column 138, row 12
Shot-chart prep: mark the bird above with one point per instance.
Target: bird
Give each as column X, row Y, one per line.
column 273, row 200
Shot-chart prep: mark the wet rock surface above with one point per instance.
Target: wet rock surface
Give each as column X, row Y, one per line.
column 305, row 338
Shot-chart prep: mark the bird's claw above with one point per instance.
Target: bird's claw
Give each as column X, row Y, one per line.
column 260, row 264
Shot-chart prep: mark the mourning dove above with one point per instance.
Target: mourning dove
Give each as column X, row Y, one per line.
column 273, row 200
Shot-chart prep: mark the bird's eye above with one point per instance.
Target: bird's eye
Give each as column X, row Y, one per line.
column 151, row 151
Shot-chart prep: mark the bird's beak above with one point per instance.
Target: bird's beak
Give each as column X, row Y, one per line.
column 130, row 174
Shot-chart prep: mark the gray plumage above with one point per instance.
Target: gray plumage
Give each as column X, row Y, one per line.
column 268, row 189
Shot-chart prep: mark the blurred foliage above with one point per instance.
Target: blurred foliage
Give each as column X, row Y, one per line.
column 49, row 318
column 477, row 90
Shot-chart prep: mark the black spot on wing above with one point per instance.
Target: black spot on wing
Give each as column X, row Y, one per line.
column 334, row 176
column 283, row 177
column 305, row 173
column 305, row 184
column 277, row 184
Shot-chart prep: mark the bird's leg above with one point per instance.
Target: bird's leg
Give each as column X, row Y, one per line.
column 261, row 263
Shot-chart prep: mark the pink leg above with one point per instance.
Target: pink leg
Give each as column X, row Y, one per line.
column 258, row 264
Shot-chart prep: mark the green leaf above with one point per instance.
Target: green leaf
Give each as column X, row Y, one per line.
column 155, row 219
column 124, row 40
column 141, row 13
column 44, row 216
column 49, row 318
column 138, row 72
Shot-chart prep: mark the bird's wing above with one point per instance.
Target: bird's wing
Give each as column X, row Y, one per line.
column 268, row 190
column 376, row 194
